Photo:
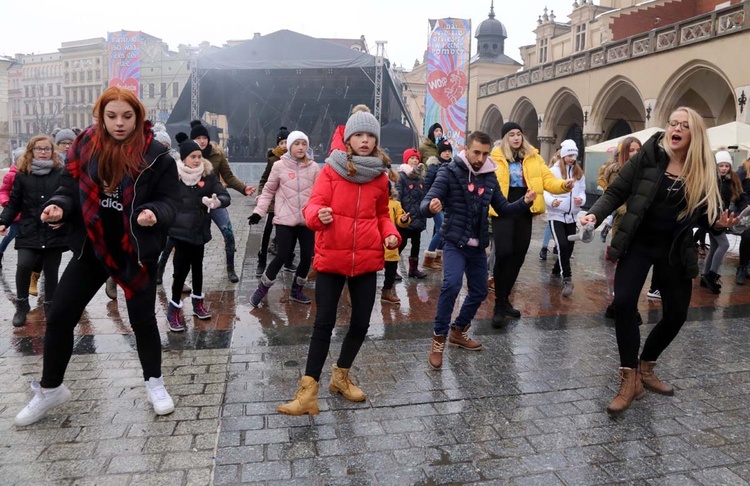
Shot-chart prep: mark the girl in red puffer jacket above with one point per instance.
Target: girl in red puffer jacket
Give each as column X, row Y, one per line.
column 348, row 209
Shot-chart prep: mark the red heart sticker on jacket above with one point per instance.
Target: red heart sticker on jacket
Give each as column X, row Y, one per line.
column 291, row 175
column 481, row 191
column 471, row 187
column 201, row 183
column 411, row 186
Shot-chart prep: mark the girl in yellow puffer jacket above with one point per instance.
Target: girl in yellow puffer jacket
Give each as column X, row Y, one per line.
column 401, row 219
column 519, row 168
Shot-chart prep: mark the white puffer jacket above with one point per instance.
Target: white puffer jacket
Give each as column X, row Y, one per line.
column 567, row 210
column 291, row 182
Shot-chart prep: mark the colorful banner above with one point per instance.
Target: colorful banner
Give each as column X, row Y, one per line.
column 448, row 53
column 124, row 54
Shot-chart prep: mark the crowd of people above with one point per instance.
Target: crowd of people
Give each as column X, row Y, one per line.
column 122, row 198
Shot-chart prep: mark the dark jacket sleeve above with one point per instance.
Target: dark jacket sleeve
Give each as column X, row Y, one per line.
column 745, row 196
column 230, row 179
column 439, row 189
column 165, row 196
column 266, row 173
column 66, row 195
column 617, row 192
column 13, row 207
column 432, row 171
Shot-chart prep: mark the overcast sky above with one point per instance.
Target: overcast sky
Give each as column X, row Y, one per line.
column 403, row 23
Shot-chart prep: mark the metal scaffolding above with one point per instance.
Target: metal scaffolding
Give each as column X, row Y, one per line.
column 195, row 82
column 379, row 62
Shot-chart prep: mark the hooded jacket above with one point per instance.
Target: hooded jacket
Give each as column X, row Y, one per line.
column 411, row 191
column 290, row 184
column 353, row 243
column 433, row 165
column 192, row 223
column 636, row 185
column 567, row 211
column 536, row 174
column 460, row 189
column 7, row 186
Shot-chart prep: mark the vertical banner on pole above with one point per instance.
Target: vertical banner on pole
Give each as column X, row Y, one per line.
column 448, row 54
column 124, row 54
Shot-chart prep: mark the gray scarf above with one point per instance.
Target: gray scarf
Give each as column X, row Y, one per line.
column 41, row 167
column 368, row 168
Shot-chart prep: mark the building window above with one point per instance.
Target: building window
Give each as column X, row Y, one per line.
column 151, row 89
column 580, row 40
column 74, row 77
column 26, row 88
column 58, row 88
column 175, row 89
column 542, row 51
column 74, row 119
column 50, row 89
column 75, row 96
column 163, row 90
column 91, row 95
column 67, row 78
column 27, row 108
column 89, row 75
column 98, row 75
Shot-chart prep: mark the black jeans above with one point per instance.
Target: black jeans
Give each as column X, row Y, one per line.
column 561, row 231
column 266, row 238
column 745, row 248
column 512, row 235
column 286, row 239
column 414, row 236
column 390, row 274
column 80, row 281
column 187, row 257
column 675, row 288
column 28, row 259
column 328, row 287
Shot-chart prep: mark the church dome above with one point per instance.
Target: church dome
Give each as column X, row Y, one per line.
column 491, row 26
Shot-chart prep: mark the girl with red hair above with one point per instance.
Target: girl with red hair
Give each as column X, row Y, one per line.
column 118, row 196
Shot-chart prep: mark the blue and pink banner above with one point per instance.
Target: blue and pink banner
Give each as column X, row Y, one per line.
column 124, row 54
column 448, row 55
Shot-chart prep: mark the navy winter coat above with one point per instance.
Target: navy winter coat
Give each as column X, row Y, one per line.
column 452, row 186
column 410, row 193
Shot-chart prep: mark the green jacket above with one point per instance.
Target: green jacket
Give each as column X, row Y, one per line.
column 637, row 185
column 221, row 167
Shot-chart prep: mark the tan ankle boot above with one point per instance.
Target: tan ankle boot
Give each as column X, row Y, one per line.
column 630, row 390
column 650, row 381
column 439, row 258
column 429, row 261
column 305, row 401
column 33, row 290
column 389, row 295
column 436, row 352
column 460, row 339
column 340, row 382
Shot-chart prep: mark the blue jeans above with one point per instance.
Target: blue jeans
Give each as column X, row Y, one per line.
column 436, row 243
column 547, row 236
column 221, row 218
column 12, row 232
column 456, row 261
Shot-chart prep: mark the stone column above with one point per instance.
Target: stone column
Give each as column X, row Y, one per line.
column 546, row 147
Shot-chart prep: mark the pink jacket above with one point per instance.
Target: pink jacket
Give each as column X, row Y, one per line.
column 7, row 186
column 291, row 182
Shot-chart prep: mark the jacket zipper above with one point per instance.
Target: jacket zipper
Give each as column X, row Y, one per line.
column 299, row 196
column 356, row 217
column 132, row 207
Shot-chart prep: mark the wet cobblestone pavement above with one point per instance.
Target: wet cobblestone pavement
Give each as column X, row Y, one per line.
column 528, row 409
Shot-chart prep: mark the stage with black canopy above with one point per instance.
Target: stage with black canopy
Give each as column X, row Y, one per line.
column 293, row 80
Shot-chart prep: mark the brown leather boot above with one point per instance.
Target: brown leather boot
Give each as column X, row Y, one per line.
column 629, row 391
column 460, row 339
column 305, row 401
column 340, row 382
column 389, row 295
column 436, row 352
column 650, row 381
column 33, row 290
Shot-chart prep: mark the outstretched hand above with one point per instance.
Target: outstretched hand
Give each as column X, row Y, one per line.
column 726, row 220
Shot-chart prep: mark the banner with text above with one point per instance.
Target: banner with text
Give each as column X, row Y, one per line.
column 448, row 53
column 124, row 54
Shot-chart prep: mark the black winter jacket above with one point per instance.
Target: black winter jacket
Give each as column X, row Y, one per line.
column 636, row 185
column 410, row 193
column 451, row 187
column 193, row 221
column 156, row 188
column 433, row 165
column 29, row 195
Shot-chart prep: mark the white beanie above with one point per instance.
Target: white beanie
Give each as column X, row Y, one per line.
column 568, row 147
column 294, row 136
column 163, row 137
column 723, row 157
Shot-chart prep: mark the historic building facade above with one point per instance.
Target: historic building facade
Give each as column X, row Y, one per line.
column 622, row 66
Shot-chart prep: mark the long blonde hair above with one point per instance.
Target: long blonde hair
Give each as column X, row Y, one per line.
column 698, row 174
column 525, row 150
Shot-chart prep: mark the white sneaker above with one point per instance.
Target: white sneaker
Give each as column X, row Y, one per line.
column 653, row 294
column 42, row 401
column 157, row 396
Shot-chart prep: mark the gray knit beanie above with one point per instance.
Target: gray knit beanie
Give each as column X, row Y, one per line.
column 163, row 137
column 65, row 134
column 362, row 122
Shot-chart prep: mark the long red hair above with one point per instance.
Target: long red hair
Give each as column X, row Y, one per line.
column 119, row 158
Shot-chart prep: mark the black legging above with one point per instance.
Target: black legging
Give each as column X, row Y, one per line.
column 29, row 261
column 675, row 288
column 415, row 237
column 512, row 235
column 745, row 248
column 80, row 281
column 328, row 287
column 266, row 238
column 187, row 257
column 286, row 239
